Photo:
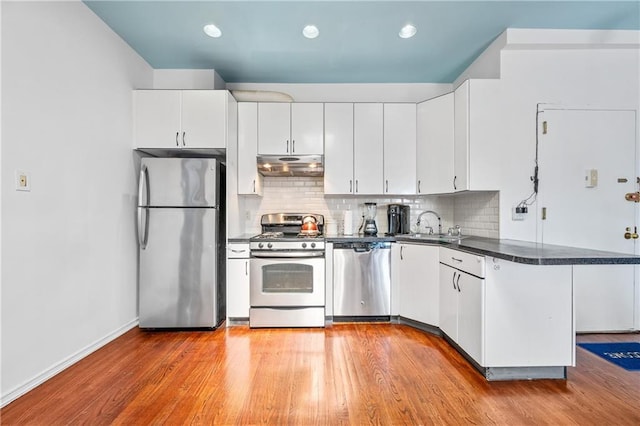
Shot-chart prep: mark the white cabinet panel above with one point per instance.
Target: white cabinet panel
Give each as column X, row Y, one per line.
column 338, row 148
column 157, row 118
column 399, row 148
column 434, row 150
column 249, row 180
column 461, row 138
column 181, row 119
column 290, row 128
column 368, row 148
column 471, row 308
column 238, row 281
column 274, row 128
column 307, row 133
column 418, row 274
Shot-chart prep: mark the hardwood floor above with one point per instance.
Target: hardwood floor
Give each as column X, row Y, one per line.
column 345, row 374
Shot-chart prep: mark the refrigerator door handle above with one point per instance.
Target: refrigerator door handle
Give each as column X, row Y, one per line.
column 143, row 187
column 143, row 227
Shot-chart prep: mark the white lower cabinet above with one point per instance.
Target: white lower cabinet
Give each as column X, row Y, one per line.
column 416, row 273
column 238, row 281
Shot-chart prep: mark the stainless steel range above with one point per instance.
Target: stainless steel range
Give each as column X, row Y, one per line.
column 288, row 272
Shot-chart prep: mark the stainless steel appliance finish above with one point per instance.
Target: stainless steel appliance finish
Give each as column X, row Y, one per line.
column 291, row 165
column 361, row 280
column 180, row 233
column 398, row 219
column 287, row 280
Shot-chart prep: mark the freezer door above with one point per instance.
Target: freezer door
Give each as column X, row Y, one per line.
column 178, row 269
column 178, row 182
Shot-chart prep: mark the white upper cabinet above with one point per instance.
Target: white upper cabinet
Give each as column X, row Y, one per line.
column 461, row 138
column 249, row 180
column 290, row 128
column 338, row 148
column 434, row 152
column 174, row 119
column 368, row 149
column 399, row 148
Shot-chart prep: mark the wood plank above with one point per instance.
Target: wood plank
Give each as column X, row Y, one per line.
column 344, row 374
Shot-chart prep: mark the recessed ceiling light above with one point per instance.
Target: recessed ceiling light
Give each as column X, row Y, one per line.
column 310, row 31
column 212, row 31
column 407, row 31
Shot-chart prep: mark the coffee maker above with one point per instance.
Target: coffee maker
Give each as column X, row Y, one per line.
column 398, row 219
column 370, row 228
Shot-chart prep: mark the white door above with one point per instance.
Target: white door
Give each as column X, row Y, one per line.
column 338, row 148
column 249, row 180
column 157, row 119
column 399, row 148
column 448, row 301
column 368, row 148
column 461, row 137
column 274, row 128
column 419, row 283
column 204, row 118
column 434, row 153
column 590, row 212
column 470, row 315
column 307, row 128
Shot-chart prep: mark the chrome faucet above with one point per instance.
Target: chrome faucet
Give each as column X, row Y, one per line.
column 435, row 214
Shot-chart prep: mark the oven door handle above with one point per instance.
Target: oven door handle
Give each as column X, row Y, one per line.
column 288, row 254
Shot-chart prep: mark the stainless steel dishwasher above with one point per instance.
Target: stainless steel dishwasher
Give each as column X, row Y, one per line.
column 361, row 281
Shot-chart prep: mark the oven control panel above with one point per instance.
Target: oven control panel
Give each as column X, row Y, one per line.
column 288, row 245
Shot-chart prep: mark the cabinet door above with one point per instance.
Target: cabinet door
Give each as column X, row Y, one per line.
column 338, row 149
column 399, row 148
column 274, row 128
column 156, row 118
column 461, row 137
column 249, row 180
column 238, row 288
column 204, row 119
column 368, row 148
column 307, row 128
column 434, row 151
column 448, row 301
column 470, row 318
column 419, row 272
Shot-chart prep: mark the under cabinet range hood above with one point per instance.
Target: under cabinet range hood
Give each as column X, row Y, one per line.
column 291, row 165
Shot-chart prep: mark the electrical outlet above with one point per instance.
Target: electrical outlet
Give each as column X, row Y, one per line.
column 23, row 181
column 519, row 213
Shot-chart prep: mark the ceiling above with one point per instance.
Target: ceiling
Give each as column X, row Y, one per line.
column 262, row 41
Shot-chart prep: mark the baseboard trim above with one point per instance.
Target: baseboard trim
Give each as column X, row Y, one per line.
column 64, row 364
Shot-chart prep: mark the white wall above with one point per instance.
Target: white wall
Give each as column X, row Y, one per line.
column 69, row 275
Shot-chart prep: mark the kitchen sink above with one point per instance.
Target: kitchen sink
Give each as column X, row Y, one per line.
column 436, row 237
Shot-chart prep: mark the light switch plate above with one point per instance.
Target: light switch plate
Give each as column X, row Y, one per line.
column 23, row 181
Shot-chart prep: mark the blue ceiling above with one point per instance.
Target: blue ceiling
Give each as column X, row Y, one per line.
column 262, row 41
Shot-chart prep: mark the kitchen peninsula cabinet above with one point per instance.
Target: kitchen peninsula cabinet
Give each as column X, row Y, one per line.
column 435, row 151
column 290, row 128
column 249, row 180
column 399, row 141
column 181, row 119
column 416, row 269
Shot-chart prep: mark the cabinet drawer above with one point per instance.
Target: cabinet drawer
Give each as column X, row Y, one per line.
column 467, row 262
column 238, row 251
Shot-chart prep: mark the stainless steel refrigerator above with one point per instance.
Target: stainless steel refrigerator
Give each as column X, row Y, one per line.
column 181, row 234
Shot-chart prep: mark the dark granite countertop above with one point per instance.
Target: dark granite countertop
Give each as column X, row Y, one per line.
column 532, row 253
column 242, row 238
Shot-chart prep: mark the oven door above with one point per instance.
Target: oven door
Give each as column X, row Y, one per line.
column 287, row 281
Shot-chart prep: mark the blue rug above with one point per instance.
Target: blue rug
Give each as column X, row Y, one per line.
column 623, row 354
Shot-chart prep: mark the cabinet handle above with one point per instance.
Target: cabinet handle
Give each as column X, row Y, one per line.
column 401, row 250
column 453, row 280
column 386, row 186
column 454, row 182
column 183, row 141
column 350, row 186
column 287, row 146
column 293, row 146
column 356, row 185
column 246, row 268
column 419, row 187
column 254, row 185
column 456, row 260
column 458, row 282
column 177, row 143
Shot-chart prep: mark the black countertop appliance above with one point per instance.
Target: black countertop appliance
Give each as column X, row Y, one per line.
column 398, row 218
